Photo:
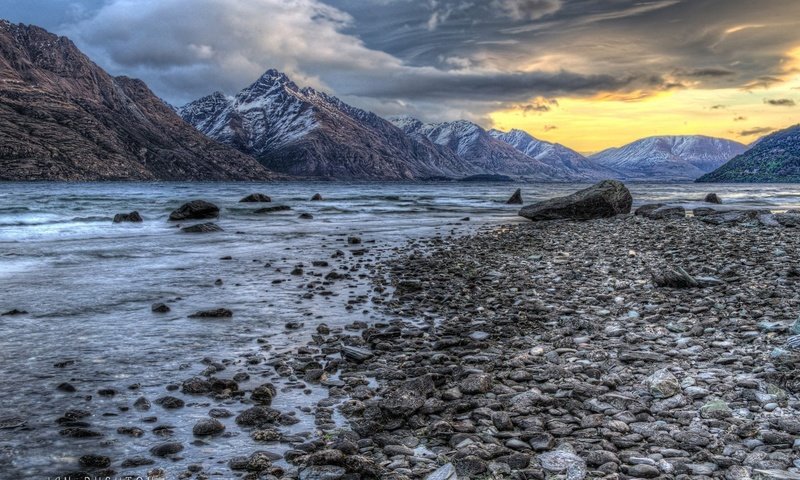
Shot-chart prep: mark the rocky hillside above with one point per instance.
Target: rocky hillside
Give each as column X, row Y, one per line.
column 773, row 159
column 64, row 118
column 303, row 132
column 555, row 155
column 670, row 158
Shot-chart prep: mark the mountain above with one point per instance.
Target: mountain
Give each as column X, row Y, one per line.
column 64, row 118
column 772, row 159
column 669, row 158
column 483, row 151
column 557, row 156
column 303, row 132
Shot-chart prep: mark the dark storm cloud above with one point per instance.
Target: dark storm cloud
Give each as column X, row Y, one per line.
column 780, row 102
column 433, row 57
column 755, row 131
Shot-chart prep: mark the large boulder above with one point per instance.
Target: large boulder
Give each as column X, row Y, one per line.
column 195, row 210
column 606, row 199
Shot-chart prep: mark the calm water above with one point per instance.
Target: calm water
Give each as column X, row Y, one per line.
column 88, row 285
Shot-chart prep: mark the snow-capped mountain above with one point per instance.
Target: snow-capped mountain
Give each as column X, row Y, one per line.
column 301, row 131
column 480, row 149
column 669, row 157
column 555, row 155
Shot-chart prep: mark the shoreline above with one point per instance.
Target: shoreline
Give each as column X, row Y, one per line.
column 545, row 348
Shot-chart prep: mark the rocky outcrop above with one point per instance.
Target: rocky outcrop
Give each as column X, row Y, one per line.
column 64, row 118
column 195, row 210
column 516, row 198
column 605, row 199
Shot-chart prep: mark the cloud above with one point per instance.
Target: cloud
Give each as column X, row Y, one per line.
column 527, row 9
column 537, row 105
column 548, row 128
column 718, row 107
column 755, row 131
column 780, row 102
column 739, row 119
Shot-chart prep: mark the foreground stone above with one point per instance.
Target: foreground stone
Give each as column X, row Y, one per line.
column 195, row 210
column 209, row 227
column 605, row 199
column 659, row 211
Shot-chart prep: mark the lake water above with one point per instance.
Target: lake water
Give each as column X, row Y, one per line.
column 88, row 286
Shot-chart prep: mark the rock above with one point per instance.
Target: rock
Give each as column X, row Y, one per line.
column 257, row 416
column 643, row 471
column 209, row 426
column 264, row 394
column 276, row 208
column 353, row 240
column 703, row 211
column 356, row 354
column 678, row 278
column 661, row 212
column 516, row 198
column 316, row 198
column 663, row 384
column 322, row 472
column 217, row 313
column 789, row 219
column 445, row 472
column 306, row 216
column 717, row 409
column 142, row 404
column 712, row 198
column 94, row 461
column 170, row 402
column 195, row 210
column 159, row 308
column 559, row 461
column 209, row 227
column 14, row 312
column 476, row 383
column 166, row 449
column 605, row 199
column 132, row 217
column 734, row 217
column 255, row 198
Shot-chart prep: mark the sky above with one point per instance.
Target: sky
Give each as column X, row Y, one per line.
column 589, row 74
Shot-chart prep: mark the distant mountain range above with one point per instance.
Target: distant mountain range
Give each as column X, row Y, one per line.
column 669, row 158
column 64, row 118
column 773, row 159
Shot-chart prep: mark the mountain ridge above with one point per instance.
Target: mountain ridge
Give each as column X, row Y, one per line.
column 774, row 158
column 62, row 117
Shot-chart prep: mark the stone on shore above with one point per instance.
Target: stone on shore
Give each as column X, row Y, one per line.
column 516, row 198
column 132, row 217
column 195, row 210
column 209, row 227
column 659, row 211
column 605, row 199
column 256, row 198
column 663, row 384
column 209, row 426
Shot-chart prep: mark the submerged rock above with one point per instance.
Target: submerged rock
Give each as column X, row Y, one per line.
column 209, row 227
column 195, row 210
column 276, row 208
column 712, row 198
column 605, row 199
column 159, row 308
column 217, row 313
column 256, row 198
column 209, row 426
column 133, row 217
column 316, row 198
column 516, row 198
